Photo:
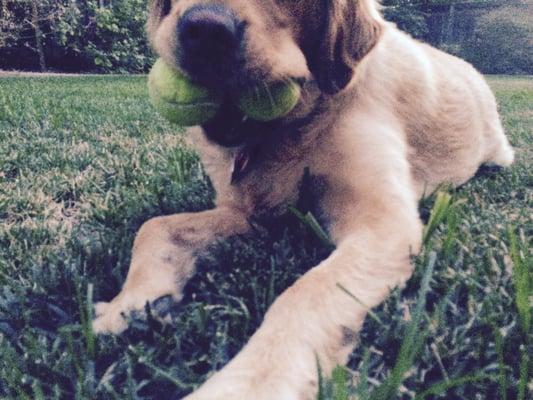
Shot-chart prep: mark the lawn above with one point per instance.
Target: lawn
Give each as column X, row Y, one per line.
column 84, row 162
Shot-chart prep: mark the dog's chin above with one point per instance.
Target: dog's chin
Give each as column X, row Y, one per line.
column 230, row 127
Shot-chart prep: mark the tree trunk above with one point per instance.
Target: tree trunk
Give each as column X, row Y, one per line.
column 448, row 36
column 38, row 34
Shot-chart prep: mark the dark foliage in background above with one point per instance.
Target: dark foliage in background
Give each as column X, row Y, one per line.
column 108, row 35
column 503, row 41
column 74, row 35
column 494, row 35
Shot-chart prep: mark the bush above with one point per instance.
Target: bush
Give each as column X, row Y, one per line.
column 408, row 18
column 75, row 36
column 115, row 41
column 503, row 42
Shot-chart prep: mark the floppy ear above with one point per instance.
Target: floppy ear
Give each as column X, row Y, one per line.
column 157, row 9
column 349, row 33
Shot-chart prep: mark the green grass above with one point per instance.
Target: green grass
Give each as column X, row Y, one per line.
column 84, row 161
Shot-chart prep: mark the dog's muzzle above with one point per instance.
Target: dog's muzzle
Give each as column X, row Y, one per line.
column 210, row 39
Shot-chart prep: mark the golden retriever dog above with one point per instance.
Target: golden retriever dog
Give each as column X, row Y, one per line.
column 383, row 119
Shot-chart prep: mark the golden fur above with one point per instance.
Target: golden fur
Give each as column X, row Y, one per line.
column 383, row 120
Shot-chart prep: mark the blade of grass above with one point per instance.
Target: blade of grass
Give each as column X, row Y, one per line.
column 86, row 316
column 443, row 386
column 159, row 372
column 502, row 378
column 38, row 393
column 522, row 280
column 321, row 395
column 524, row 375
column 339, row 378
column 412, row 342
column 310, row 221
column 362, row 389
column 523, row 285
column 371, row 313
column 438, row 213
column 88, row 328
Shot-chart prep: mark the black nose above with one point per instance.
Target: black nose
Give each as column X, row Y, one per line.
column 208, row 33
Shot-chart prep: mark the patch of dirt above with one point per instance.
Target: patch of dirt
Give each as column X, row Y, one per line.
column 4, row 74
column 8, row 74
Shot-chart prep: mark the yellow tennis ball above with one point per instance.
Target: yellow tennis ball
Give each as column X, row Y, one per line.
column 269, row 102
column 178, row 99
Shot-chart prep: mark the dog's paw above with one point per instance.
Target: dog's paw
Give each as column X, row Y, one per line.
column 110, row 318
column 100, row 308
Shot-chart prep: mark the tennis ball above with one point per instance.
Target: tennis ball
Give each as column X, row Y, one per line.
column 265, row 103
column 178, row 99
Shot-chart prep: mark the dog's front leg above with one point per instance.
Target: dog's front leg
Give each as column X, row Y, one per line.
column 163, row 260
column 315, row 321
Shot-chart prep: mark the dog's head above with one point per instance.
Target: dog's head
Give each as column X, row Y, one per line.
column 227, row 44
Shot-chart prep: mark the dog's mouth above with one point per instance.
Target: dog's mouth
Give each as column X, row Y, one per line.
column 230, row 127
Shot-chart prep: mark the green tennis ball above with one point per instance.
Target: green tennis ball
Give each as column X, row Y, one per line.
column 269, row 102
column 178, row 99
